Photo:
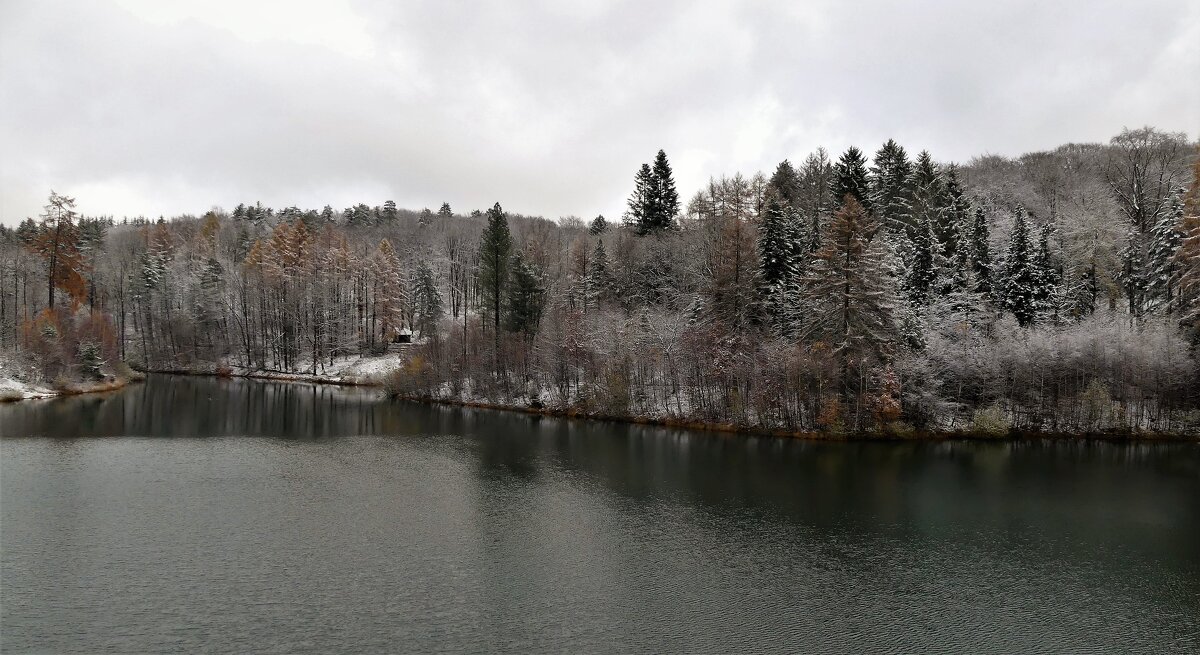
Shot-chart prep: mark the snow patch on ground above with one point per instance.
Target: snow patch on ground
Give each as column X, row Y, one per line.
column 368, row 369
column 17, row 383
column 11, row 389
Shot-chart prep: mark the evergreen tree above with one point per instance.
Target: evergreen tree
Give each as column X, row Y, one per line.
column 495, row 252
column 327, row 214
column 1020, row 277
column 1162, row 271
column 850, row 178
column 786, row 184
column 598, row 226
column 655, row 202
column 526, row 299
column 641, row 203
column 980, row 253
column 27, row 231
column 922, row 267
column 928, row 194
column 666, row 198
column 891, row 188
column 427, row 299
column 1046, row 274
column 776, row 255
column 954, row 217
column 388, row 213
column 598, row 285
column 444, row 210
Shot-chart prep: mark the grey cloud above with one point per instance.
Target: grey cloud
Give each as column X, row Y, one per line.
column 549, row 107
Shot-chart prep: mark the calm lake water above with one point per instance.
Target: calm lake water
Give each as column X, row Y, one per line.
column 192, row 515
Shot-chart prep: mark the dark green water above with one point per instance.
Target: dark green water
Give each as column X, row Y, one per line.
column 192, row 515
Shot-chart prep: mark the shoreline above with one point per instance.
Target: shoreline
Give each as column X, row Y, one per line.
column 701, row 426
column 37, row 392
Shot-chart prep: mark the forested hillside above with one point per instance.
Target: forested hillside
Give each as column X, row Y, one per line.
column 1058, row 291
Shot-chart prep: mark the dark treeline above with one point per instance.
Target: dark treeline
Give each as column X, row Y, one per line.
column 1058, row 291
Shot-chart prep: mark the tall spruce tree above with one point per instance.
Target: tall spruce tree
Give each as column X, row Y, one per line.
column 526, row 298
column 598, row 226
column 599, row 283
column 928, row 193
column 776, row 255
column 922, row 267
column 786, row 184
column 427, row 299
column 850, row 178
column 953, row 217
column 666, row 197
column 1020, row 277
column 980, row 253
column 495, row 252
column 1163, row 273
column 1046, row 273
column 655, row 201
column 891, row 188
column 641, row 202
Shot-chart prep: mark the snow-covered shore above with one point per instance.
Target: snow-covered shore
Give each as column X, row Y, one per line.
column 370, row 370
column 12, row 389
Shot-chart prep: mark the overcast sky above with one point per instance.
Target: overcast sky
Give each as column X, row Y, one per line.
column 141, row 107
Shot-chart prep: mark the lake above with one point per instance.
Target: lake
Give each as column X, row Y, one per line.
column 193, row 514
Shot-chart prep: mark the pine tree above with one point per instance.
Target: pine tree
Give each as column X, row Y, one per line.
column 598, row 226
column 776, row 255
column 641, row 203
column 1162, row 271
column 1046, row 274
column 980, row 253
column 849, row 298
column 1020, row 278
column 954, row 215
column 327, row 214
column 526, row 300
column 495, row 252
column 655, row 202
column 922, row 267
column 850, row 178
column 928, row 195
column 427, row 299
column 891, row 188
column 786, row 184
column 598, row 284
column 666, row 198
column 444, row 210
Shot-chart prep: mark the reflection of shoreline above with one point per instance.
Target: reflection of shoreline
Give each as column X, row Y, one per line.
column 686, row 424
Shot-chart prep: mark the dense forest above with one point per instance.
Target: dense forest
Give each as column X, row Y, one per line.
column 1053, row 292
